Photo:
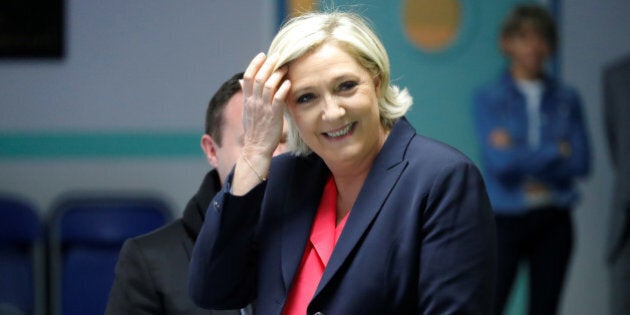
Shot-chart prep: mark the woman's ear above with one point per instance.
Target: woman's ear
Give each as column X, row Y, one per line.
column 377, row 85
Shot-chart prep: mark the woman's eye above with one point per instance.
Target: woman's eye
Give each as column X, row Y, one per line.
column 348, row 85
column 305, row 98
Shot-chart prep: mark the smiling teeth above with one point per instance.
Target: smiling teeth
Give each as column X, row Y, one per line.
column 340, row 133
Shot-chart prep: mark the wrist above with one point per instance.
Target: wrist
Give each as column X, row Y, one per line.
column 261, row 176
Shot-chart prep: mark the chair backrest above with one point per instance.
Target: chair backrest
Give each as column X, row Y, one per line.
column 22, row 268
column 86, row 234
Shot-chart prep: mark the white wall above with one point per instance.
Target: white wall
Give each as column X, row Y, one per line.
column 135, row 64
column 142, row 65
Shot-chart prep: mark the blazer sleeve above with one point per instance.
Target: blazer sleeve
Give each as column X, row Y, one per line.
column 133, row 289
column 458, row 256
column 222, row 271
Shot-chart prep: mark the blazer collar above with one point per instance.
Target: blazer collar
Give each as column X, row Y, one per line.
column 309, row 178
column 306, row 187
column 385, row 172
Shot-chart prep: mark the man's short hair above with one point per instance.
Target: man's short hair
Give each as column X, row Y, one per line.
column 214, row 113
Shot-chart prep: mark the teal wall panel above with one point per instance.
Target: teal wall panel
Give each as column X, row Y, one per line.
column 105, row 144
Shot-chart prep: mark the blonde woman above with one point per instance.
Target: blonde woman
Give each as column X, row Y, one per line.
column 364, row 216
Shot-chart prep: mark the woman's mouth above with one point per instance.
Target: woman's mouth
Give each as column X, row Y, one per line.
column 340, row 132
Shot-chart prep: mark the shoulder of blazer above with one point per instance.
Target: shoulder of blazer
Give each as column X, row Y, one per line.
column 288, row 170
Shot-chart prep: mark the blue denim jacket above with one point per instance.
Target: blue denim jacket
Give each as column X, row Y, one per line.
column 506, row 170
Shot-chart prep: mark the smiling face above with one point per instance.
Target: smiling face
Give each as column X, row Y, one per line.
column 334, row 104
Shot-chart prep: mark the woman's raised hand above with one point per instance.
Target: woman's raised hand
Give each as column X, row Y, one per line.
column 264, row 93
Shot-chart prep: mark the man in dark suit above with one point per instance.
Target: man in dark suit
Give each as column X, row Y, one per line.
column 616, row 115
column 152, row 270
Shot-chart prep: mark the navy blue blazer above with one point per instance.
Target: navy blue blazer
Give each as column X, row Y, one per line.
column 420, row 238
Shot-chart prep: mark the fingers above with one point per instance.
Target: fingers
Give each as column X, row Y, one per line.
column 281, row 95
column 260, row 79
column 269, row 92
column 264, row 92
column 263, row 75
column 250, row 72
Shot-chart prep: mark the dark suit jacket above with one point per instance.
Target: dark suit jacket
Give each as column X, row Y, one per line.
column 617, row 115
column 152, row 269
column 420, row 238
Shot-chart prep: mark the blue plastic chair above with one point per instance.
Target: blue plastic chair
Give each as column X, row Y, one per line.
column 86, row 234
column 22, row 269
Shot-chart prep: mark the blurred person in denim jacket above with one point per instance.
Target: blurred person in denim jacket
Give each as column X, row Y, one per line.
column 534, row 145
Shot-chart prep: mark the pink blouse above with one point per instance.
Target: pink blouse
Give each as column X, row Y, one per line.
column 322, row 240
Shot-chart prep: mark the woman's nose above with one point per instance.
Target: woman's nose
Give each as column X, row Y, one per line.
column 332, row 109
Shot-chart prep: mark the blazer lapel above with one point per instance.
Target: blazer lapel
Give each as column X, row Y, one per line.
column 387, row 168
column 305, row 191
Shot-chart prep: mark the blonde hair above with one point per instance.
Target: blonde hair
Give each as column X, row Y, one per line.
column 305, row 33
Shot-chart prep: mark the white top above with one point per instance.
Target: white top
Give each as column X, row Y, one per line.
column 532, row 89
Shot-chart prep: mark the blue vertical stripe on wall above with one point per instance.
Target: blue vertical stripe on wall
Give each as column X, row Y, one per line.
column 281, row 14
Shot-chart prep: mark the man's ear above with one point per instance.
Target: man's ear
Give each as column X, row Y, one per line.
column 209, row 147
